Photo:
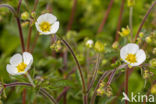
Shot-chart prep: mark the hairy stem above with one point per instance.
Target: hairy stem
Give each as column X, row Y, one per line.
column 126, row 84
column 105, row 17
column 119, row 21
column 20, row 33
column 94, row 73
column 131, row 22
column 42, row 90
column 79, row 68
column 97, row 86
column 46, row 94
column 30, row 27
column 30, row 79
column 144, row 19
column 72, row 15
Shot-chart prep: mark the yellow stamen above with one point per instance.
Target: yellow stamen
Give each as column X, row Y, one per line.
column 21, row 67
column 131, row 58
column 45, row 26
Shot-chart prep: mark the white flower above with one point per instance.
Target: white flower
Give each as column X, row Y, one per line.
column 47, row 24
column 20, row 64
column 89, row 43
column 132, row 55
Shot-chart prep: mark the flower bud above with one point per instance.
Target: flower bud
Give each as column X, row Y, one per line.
column 146, row 74
column 148, row 39
column 24, row 24
column 56, row 46
column 104, row 61
column 131, row 3
column 25, row 16
column 33, row 14
column 99, row 46
column 153, row 62
column 153, row 89
column 89, row 43
column 141, row 34
column 154, row 51
column 115, row 45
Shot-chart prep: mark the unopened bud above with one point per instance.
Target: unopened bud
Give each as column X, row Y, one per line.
column 153, row 62
column 25, row 16
column 99, row 46
column 148, row 39
column 154, row 51
column 115, row 45
column 131, row 3
column 141, row 34
column 89, row 43
column 153, row 89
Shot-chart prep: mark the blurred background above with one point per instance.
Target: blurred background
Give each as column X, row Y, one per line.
column 51, row 70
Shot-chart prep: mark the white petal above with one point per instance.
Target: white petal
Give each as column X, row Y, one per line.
column 28, row 58
column 129, row 48
column 38, row 27
column 28, row 66
column 47, row 17
column 16, row 59
column 54, row 27
column 11, row 69
column 141, row 56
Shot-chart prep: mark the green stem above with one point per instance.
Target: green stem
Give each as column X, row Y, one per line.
column 94, row 72
column 30, row 79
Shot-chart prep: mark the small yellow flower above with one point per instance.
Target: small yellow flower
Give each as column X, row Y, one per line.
column 124, row 32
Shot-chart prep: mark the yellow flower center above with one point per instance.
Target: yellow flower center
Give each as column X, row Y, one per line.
column 131, row 58
column 21, row 67
column 45, row 26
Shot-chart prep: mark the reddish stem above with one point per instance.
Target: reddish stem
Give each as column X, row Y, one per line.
column 144, row 19
column 24, row 96
column 119, row 21
column 72, row 16
column 126, row 84
column 105, row 17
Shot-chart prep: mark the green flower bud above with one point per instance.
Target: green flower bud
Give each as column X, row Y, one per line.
column 99, row 46
column 141, row 34
column 33, row 14
column 24, row 24
column 153, row 89
column 131, row 3
column 104, row 61
column 56, row 46
column 153, row 62
column 154, row 51
column 148, row 39
column 115, row 45
column 25, row 16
